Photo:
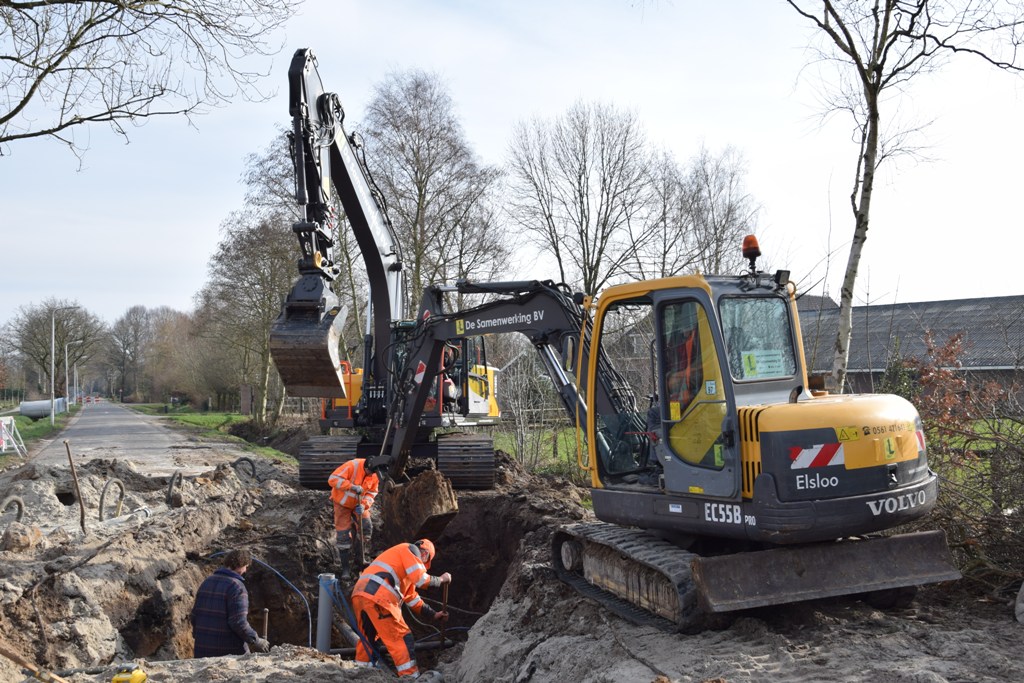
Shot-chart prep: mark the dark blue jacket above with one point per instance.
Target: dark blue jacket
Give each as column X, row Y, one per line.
column 220, row 624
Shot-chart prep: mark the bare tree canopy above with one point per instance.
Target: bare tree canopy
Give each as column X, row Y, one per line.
column 439, row 197
column 580, row 185
column 69, row 63
column 250, row 273
column 722, row 212
column 269, row 179
column 879, row 49
column 129, row 336
column 54, row 325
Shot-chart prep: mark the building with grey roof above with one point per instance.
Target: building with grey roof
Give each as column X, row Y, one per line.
column 992, row 331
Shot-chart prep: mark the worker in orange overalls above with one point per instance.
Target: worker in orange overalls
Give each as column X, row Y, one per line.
column 353, row 490
column 389, row 582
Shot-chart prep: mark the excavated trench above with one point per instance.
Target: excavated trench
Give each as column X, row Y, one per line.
column 125, row 588
column 476, row 548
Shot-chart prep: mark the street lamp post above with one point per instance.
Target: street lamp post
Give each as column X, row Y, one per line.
column 53, row 331
column 67, row 375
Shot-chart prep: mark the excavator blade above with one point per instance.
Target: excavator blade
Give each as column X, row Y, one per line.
column 651, row 582
column 771, row 577
column 421, row 508
column 305, row 351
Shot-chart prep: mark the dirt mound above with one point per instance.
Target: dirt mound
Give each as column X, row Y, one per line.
column 122, row 588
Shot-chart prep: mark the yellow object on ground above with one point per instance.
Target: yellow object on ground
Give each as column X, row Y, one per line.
column 130, row 674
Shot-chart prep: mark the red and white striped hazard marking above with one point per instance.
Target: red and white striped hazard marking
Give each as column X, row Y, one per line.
column 920, row 440
column 821, row 455
column 421, row 369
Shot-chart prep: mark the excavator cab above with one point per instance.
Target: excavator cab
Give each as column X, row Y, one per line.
column 667, row 349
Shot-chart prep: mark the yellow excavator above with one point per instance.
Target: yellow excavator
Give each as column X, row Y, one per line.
column 722, row 481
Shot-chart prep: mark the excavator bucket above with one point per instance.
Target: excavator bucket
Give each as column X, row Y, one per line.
column 784, row 575
column 421, row 508
column 305, row 351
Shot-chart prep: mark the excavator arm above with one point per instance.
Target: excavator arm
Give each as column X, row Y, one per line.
column 544, row 312
column 304, row 339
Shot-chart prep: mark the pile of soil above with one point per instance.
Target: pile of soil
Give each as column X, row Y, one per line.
column 85, row 602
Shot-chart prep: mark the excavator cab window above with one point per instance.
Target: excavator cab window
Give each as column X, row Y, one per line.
column 627, row 332
column 693, row 403
column 757, row 337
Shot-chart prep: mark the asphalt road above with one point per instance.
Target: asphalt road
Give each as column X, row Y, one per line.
column 109, row 430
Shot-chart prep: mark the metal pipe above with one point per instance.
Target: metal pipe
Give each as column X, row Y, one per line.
column 103, row 496
column 324, row 611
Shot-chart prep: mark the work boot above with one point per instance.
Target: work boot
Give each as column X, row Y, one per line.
column 344, row 564
column 430, row 677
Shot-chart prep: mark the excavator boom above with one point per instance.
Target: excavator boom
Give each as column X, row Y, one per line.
column 305, row 338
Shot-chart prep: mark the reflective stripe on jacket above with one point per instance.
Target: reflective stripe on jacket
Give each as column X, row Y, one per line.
column 393, row 578
column 353, row 472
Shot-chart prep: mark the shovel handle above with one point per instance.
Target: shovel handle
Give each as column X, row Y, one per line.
column 444, row 608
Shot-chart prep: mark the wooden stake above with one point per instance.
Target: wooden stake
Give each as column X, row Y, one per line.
column 78, row 491
column 37, row 673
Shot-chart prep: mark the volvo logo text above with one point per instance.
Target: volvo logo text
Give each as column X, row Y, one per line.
column 906, row 501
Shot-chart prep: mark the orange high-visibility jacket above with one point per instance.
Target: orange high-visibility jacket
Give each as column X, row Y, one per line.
column 393, row 578
column 353, row 472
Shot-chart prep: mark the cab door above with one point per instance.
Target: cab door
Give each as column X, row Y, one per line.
column 696, row 442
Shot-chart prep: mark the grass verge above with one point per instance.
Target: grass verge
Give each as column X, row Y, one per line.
column 210, row 425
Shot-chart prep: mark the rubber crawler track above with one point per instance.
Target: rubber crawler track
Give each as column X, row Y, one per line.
column 643, row 549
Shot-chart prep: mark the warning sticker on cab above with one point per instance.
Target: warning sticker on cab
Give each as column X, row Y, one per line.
column 847, row 434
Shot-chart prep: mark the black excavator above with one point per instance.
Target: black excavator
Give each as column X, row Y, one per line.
column 304, row 340
column 721, row 480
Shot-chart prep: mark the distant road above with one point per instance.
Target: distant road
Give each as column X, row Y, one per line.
column 109, row 430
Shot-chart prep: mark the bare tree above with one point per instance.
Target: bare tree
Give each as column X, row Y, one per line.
column 75, row 62
column 722, row 209
column 879, row 48
column 166, row 353
column 698, row 216
column 129, row 336
column 580, row 185
column 250, row 273
column 30, row 336
column 269, row 178
column 669, row 250
column 438, row 195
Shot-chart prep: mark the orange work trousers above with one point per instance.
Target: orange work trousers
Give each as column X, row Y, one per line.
column 343, row 517
column 384, row 627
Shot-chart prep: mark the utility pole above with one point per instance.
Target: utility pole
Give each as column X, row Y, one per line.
column 67, row 376
column 53, row 330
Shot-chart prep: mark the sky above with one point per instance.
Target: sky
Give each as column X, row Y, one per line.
column 136, row 224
